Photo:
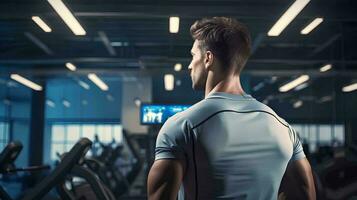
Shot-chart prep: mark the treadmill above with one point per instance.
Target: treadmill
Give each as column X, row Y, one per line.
column 56, row 177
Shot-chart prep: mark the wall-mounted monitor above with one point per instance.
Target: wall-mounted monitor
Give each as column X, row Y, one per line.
column 157, row 114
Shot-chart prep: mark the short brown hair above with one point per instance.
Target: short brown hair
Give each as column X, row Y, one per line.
column 226, row 38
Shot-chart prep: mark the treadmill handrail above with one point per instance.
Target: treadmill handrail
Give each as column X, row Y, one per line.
column 29, row 169
column 91, row 179
column 131, row 176
column 9, row 155
column 59, row 173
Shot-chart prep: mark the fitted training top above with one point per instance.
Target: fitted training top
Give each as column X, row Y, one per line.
column 234, row 147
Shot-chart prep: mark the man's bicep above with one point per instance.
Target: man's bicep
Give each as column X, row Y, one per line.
column 165, row 178
column 172, row 141
column 298, row 180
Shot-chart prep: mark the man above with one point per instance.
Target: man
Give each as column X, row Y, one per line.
column 227, row 146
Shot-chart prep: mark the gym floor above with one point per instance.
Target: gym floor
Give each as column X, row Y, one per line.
column 122, row 71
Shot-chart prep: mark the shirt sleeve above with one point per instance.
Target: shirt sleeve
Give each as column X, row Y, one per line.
column 298, row 151
column 172, row 141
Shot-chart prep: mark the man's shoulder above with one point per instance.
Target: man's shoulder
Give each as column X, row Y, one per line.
column 205, row 109
column 191, row 115
column 208, row 107
column 179, row 123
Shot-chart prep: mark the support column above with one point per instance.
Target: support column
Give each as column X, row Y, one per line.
column 37, row 126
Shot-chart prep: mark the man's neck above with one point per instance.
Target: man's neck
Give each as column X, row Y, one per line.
column 227, row 84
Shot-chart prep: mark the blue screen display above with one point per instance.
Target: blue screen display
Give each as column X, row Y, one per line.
column 158, row 114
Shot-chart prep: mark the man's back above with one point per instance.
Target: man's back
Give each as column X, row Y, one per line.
column 234, row 147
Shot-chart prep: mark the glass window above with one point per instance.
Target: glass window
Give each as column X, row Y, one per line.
column 58, row 133
column 325, row 135
column 56, row 148
column 339, row 135
column 320, row 134
column 64, row 136
column 312, row 147
column 313, row 137
column 4, row 134
column 105, row 133
column 88, row 131
column 118, row 133
column 69, row 146
column 100, row 131
column 73, row 133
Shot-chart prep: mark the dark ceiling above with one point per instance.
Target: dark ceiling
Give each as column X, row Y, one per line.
column 143, row 25
column 150, row 49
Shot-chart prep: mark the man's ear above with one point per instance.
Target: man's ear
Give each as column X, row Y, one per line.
column 209, row 58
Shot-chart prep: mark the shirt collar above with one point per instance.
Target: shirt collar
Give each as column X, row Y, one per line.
column 224, row 95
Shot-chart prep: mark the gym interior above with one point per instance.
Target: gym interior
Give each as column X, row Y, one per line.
column 87, row 85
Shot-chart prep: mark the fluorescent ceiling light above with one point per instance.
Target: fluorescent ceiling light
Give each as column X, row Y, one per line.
column 116, row 44
column 71, row 66
column 297, row 104
column 41, row 24
column 11, row 84
column 50, row 103
column 7, row 102
column 258, row 86
column 350, row 88
column 85, row 102
column 110, row 97
column 174, row 24
column 287, row 17
column 67, row 17
column 273, row 79
column 84, row 85
column 137, row 102
column 294, row 83
column 311, row 26
column 26, row 82
column 178, row 67
column 302, row 86
column 169, row 82
column 119, row 44
column 96, row 80
column 325, row 68
column 178, row 82
column 66, row 103
column 325, row 99
column 266, row 101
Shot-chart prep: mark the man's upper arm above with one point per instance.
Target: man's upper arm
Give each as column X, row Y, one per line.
column 298, row 151
column 298, row 182
column 164, row 179
column 172, row 141
column 167, row 172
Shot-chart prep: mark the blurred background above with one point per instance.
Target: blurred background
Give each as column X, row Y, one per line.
column 113, row 71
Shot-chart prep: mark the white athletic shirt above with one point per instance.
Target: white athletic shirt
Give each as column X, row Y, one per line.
column 234, row 147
